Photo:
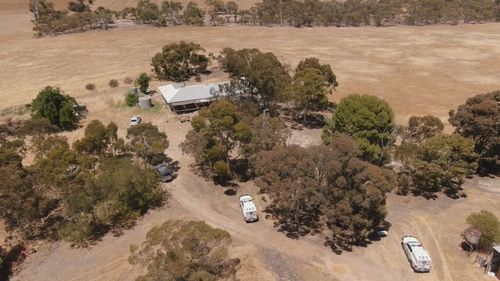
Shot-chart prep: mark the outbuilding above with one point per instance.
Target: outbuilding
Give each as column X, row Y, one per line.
column 181, row 98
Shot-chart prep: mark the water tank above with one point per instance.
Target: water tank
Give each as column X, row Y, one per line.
column 472, row 235
column 145, row 102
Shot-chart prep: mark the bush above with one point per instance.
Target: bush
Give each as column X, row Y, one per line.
column 488, row 224
column 113, row 83
column 131, row 99
column 90, row 86
column 143, row 82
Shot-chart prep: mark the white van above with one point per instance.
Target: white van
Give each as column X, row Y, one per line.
column 248, row 208
column 416, row 254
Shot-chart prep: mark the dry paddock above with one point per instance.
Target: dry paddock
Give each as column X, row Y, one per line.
column 418, row 70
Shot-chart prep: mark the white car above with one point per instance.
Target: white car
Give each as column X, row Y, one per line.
column 417, row 256
column 135, row 120
column 248, row 208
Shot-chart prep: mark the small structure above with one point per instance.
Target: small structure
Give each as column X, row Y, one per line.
column 145, row 102
column 182, row 99
column 471, row 236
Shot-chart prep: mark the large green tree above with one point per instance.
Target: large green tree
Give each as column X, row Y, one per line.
column 100, row 140
column 56, row 107
column 369, row 120
column 479, row 119
column 440, row 163
column 308, row 91
column 217, row 132
column 180, row 250
column 113, row 198
column 179, row 61
column 148, row 142
column 325, row 186
column 265, row 74
column 325, row 69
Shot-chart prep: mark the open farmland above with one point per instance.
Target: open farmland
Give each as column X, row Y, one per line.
column 418, row 70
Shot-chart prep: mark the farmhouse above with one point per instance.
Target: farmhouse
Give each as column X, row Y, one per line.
column 181, row 98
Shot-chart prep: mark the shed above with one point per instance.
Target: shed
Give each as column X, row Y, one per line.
column 181, row 98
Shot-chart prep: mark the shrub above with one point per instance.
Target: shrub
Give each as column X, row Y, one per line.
column 488, row 224
column 113, row 83
column 143, row 82
column 131, row 99
column 90, row 86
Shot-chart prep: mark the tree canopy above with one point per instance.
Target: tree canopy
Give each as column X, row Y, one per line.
column 56, row 107
column 185, row 250
column 179, row 61
column 369, row 120
column 266, row 75
column 148, row 142
column 308, row 91
column 479, row 119
column 325, row 185
column 440, row 163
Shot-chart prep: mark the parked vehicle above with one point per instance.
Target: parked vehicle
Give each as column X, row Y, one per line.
column 164, row 173
column 417, row 256
column 135, row 120
column 248, row 208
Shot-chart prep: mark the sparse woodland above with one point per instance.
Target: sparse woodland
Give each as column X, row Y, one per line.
column 81, row 15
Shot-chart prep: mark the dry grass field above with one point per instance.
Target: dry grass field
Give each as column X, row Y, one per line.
column 418, row 70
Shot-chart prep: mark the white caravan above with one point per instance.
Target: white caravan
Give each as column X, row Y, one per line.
column 248, row 208
column 416, row 254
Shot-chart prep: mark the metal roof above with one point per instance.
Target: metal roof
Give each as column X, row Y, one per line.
column 173, row 93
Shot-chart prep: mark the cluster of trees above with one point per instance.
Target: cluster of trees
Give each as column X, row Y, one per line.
column 326, row 185
column 78, row 192
column 372, row 12
column 78, row 17
column 185, row 250
column 169, row 13
column 172, row 13
column 479, row 120
column 224, row 135
column 316, row 12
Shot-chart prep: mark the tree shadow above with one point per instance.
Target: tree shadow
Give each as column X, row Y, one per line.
column 308, row 222
column 311, row 121
column 241, row 170
column 11, row 260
